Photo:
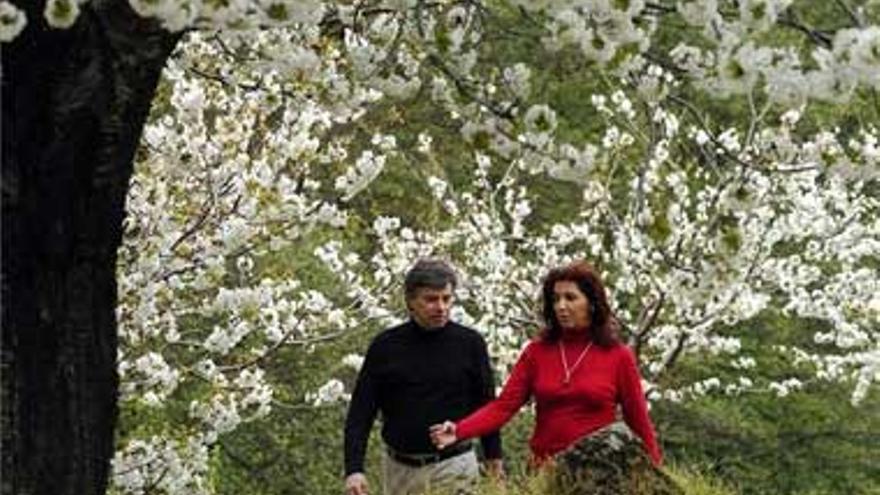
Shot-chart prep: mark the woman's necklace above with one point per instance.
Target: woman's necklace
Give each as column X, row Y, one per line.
column 570, row 371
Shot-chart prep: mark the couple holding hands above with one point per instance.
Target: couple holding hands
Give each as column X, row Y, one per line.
column 432, row 381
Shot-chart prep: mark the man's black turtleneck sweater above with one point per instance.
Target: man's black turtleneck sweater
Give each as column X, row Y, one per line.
column 418, row 377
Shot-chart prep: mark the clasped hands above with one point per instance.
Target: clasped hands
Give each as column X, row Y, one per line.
column 443, row 434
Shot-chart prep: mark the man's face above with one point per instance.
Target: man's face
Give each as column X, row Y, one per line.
column 429, row 307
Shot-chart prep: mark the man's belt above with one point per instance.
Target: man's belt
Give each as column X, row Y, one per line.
column 419, row 460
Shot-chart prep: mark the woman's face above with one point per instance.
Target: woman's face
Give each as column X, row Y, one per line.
column 571, row 306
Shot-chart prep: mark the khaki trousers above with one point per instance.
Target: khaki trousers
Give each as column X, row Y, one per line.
column 456, row 475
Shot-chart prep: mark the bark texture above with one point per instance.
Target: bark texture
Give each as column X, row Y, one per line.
column 74, row 104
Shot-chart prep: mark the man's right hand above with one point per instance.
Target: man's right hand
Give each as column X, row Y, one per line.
column 356, row 484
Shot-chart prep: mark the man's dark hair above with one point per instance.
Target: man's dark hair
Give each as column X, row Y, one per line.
column 428, row 272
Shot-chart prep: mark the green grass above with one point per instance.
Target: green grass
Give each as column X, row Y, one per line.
column 696, row 483
column 692, row 482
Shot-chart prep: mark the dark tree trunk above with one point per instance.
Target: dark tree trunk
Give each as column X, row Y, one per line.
column 74, row 104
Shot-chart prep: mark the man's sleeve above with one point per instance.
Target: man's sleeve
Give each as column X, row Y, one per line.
column 361, row 414
column 491, row 443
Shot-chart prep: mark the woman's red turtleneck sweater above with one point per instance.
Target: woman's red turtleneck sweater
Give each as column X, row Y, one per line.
column 605, row 377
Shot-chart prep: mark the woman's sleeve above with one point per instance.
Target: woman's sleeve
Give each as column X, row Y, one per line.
column 635, row 408
column 494, row 414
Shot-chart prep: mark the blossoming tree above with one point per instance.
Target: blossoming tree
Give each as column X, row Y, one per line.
column 275, row 118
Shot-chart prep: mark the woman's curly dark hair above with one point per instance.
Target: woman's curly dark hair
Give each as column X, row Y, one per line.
column 603, row 325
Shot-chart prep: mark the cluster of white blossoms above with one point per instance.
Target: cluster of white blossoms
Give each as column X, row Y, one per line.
column 225, row 178
column 162, row 463
column 149, row 377
column 367, row 167
column 389, row 40
column 331, row 392
column 12, row 21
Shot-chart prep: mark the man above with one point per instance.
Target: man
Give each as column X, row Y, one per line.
column 417, row 374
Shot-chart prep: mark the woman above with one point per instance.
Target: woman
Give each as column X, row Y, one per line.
column 576, row 370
